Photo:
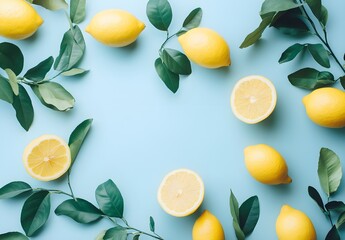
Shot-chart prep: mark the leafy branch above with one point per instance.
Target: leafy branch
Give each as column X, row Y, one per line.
column 171, row 63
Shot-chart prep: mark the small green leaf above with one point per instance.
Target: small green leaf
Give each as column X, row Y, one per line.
column 337, row 206
column 40, row 71
column 13, row 236
column 315, row 6
column 51, row 4
column 277, row 6
column 193, row 19
column 333, row 234
column 238, row 231
column 234, row 209
column 13, row 81
column 290, row 22
column 79, row 210
column 176, row 61
column 152, row 224
column 314, row 194
column 14, row 189
column 72, row 49
column 53, row 94
column 170, row 79
column 249, row 215
column 6, row 92
column 341, row 220
column 291, row 52
column 109, row 199
column 74, row 72
column 78, row 136
column 116, row 233
column 309, row 78
column 23, row 106
column 320, row 54
column 77, row 11
column 159, row 13
column 329, row 171
column 35, row 212
column 324, row 16
column 11, row 57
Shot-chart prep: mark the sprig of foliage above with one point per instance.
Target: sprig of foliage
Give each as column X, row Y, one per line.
column 37, row 206
column 294, row 18
column 244, row 217
column 330, row 175
column 171, row 63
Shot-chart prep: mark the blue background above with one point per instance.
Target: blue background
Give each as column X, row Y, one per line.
column 141, row 131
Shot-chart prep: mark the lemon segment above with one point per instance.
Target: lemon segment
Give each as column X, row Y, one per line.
column 266, row 165
column 47, row 158
column 326, row 107
column 18, row 19
column 115, row 27
column 293, row 224
column 253, row 99
column 208, row 227
column 205, row 47
column 181, row 192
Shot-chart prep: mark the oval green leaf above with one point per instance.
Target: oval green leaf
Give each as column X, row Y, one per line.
column 57, row 96
column 116, row 233
column 109, row 199
column 234, row 210
column 35, row 212
column 11, row 57
column 159, row 13
column 309, row 78
column 314, row 194
column 14, row 189
column 315, row 6
column 290, row 22
column 324, row 16
column 320, row 54
column 79, row 210
column 40, row 71
column 193, row 19
column 337, row 206
column 176, row 61
column 291, row 52
column 13, row 236
column 170, row 79
column 13, row 81
column 74, row 72
column 6, row 92
column 152, row 224
column 23, row 106
column 77, row 11
column 51, row 4
column 249, row 215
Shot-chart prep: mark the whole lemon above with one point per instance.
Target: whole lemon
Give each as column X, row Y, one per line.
column 18, row 19
column 326, row 107
column 208, row 227
column 205, row 47
column 115, row 27
column 266, row 165
column 293, row 224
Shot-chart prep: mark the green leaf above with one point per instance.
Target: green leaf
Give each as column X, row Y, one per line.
column 337, row 206
column 324, row 16
column 72, row 49
column 13, row 81
column 290, row 22
column 277, row 6
column 333, row 234
column 152, row 224
column 159, row 13
column 74, row 72
column 14, row 189
column 329, row 170
column 291, row 52
column 116, row 233
column 254, row 36
column 6, row 92
column 309, row 78
column 56, row 96
column 314, row 194
column 13, row 236
column 35, row 212
column 193, row 19
column 176, row 61
column 249, row 215
column 170, row 79
column 320, row 54
column 315, row 6
column 23, row 107
column 11, row 57
column 40, row 71
column 78, row 136
column 234, row 209
column 341, row 220
column 109, row 199
column 238, row 231
column 77, row 11
column 51, row 4
column 79, row 210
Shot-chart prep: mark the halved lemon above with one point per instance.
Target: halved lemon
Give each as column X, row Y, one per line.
column 47, row 158
column 181, row 192
column 253, row 99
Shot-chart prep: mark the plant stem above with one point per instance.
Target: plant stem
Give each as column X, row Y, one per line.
column 167, row 39
column 156, row 236
column 69, row 185
column 329, row 214
column 53, row 191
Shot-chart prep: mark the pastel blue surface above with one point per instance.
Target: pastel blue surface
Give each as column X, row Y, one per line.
column 141, row 131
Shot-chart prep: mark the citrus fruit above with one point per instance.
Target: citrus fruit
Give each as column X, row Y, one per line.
column 208, row 227
column 326, row 107
column 293, row 224
column 205, row 47
column 266, row 165
column 253, row 99
column 115, row 27
column 181, row 192
column 18, row 19
column 47, row 158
